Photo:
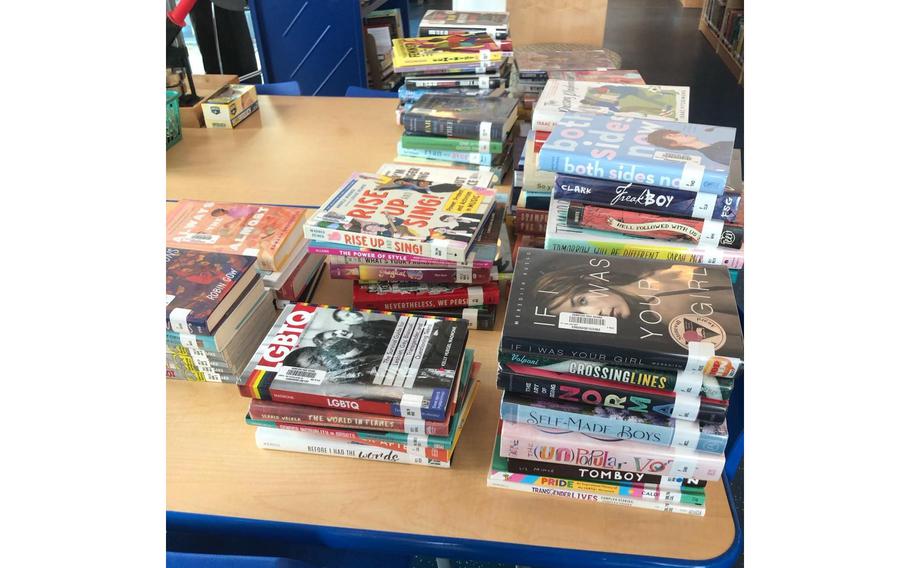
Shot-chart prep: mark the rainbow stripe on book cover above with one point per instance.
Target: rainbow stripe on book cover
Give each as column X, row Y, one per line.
column 364, row 360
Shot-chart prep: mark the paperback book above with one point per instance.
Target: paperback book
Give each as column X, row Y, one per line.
column 477, row 158
column 403, row 216
column 411, row 141
column 445, row 22
column 466, row 48
column 676, row 155
column 406, row 296
column 478, row 317
column 644, row 314
column 476, row 118
column 432, row 176
column 535, row 63
column 407, row 273
column 375, row 362
column 659, row 102
column 491, row 80
column 271, row 233
column 615, row 76
column 407, row 95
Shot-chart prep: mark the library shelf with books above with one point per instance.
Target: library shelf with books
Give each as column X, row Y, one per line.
column 722, row 22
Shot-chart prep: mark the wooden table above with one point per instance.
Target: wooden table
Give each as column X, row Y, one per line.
column 214, row 468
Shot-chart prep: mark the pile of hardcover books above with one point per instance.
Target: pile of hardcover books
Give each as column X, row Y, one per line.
column 416, row 240
column 644, row 187
column 361, row 384
column 225, row 264
column 616, row 374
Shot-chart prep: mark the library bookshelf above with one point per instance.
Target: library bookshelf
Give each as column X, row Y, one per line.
column 717, row 20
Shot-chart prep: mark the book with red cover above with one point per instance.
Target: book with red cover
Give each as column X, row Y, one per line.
column 404, row 296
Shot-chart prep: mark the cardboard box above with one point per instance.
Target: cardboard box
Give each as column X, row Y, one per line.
column 206, row 85
column 230, row 106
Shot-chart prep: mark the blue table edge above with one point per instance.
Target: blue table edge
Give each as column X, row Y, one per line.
column 444, row 547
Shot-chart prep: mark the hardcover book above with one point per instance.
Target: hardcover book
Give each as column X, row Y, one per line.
column 269, row 232
column 476, row 158
column 527, row 442
column 493, row 79
column 202, row 286
column 536, row 63
column 677, row 155
column 606, row 422
column 563, row 237
column 437, row 175
column 407, row 95
column 639, row 313
column 451, row 144
column 642, row 101
column 616, row 76
column 381, row 363
column 406, row 296
column 466, row 48
column 444, row 22
column 474, row 118
column 411, row 273
column 403, row 216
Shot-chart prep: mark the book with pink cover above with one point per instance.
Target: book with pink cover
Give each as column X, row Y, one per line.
column 527, row 442
column 271, row 233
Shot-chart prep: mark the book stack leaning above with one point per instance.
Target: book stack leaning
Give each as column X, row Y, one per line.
column 415, row 240
column 226, row 263
column 361, row 384
column 616, row 374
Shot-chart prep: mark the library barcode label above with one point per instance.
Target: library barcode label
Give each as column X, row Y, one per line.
column 204, row 238
column 676, row 157
column 301, row 376
column 587, row 322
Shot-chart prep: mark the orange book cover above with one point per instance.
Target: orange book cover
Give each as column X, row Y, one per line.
column 269, row 232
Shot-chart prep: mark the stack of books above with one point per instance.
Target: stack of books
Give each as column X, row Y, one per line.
column 382, row 26
column 646, row 188
column 226, row 265
column 616, row 374
column 415, row 240
column 361, row 384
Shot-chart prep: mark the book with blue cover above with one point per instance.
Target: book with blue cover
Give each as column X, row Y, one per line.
column 675, row 155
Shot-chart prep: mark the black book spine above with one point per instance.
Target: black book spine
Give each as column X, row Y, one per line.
column 450, row 128
column 597, row 394
column 567, row 471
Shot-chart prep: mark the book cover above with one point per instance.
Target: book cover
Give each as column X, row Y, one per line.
column 465, row 48
column 407, row 95
column 616, row 76
column 646, row 151
column 649, row 225
column 612, row 423
column 403, row 216
column 659, row 102
column 536, row 62
column 451, row 21
column 475, row 118
column 200, row 288
column 390, row 273
column 648, row 314
column 417, row 142
column 561, row 237
column 269, row 232
column 381, row 363
column 407, row 296
column 498, row 173
column 523, row 441
column 437, row 175
column 491, row 79
column 698, row 384
column 478, row 317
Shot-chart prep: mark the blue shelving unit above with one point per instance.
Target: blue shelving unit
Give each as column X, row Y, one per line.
column 318, row 43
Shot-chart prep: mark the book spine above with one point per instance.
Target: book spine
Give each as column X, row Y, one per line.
column 497, row 479
column 651, row 226
column 647, row 199
column 612, row 476
column 493, row 32
column 475, row 158
column 679, row 434
column 440, row 83
column 206, row 342
column 325, row 417
column 460, row 297
column 441, row 251
column 375, row 273
column 448, row 127
column 595, row 393
column 283, row 440
column 448, row 144
column 381, row 256
column 607, row 454
column 703, row 385
column 529, row 199
column 192, row 328
column 345, row 403
column 663, row 175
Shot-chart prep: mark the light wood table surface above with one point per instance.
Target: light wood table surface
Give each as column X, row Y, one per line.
column 215, row 468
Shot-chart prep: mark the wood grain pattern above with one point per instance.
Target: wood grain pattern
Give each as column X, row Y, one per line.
column 561, row 21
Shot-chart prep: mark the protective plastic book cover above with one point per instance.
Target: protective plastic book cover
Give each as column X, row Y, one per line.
column 646, row 151
column 616, row 76
column 464, row 19
column 634, row 312
column 537, row 62
column 407, row 95
column 378, row 362
column 407, row 273
column 436, row 50
column 493, row 79
column 563, row 237
column 436, row 175
column 269, row 232
column 406, row 216
column 476, row 158
column 453, row 116
column 659, row 102
column 451, row 144
column 527, row 442
column 405, row 296
column 606, row 422
column 197, row 283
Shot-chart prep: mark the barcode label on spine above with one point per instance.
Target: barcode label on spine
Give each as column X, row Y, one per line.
column 301, row 376
column 203, row 238
column 676, row 157
column 587, row 322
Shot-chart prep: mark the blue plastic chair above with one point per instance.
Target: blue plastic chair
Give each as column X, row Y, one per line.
column 360, row 92
column 285, row 88
column 188, row 560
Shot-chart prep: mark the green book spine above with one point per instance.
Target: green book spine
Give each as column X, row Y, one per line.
column 449, row 144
